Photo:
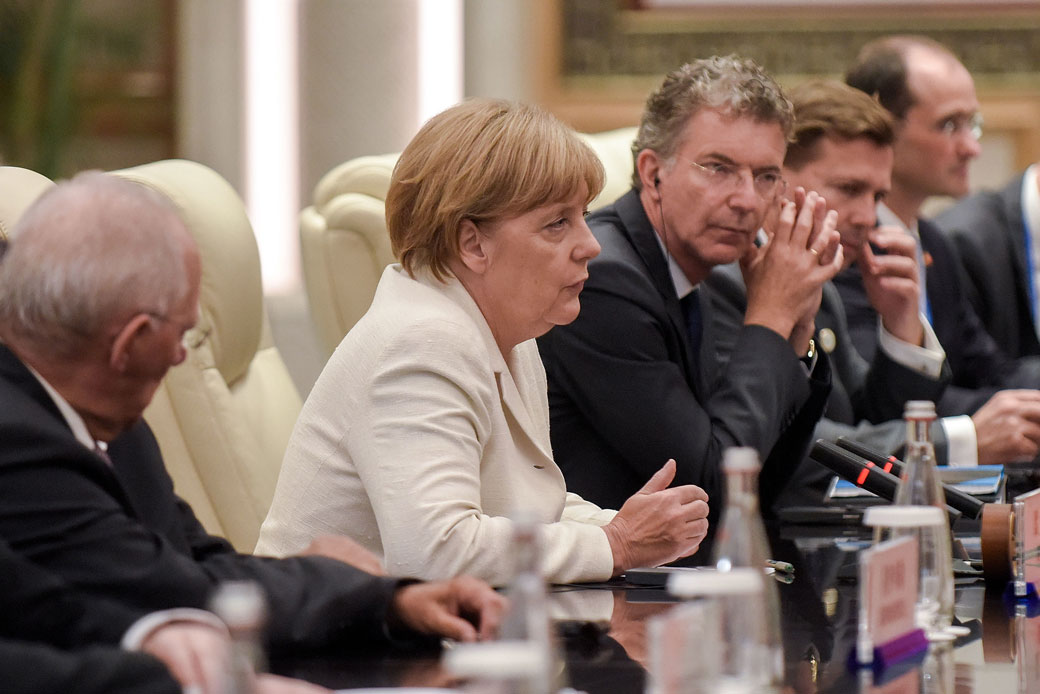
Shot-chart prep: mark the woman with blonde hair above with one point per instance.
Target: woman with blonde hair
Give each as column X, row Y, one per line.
column 429, row 427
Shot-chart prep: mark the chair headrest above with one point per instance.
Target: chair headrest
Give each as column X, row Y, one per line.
column 20, row 188
column 365, row 175
column 231, row 299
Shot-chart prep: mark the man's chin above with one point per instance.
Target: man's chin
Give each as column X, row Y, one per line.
column 725, row 253
column 958, row 185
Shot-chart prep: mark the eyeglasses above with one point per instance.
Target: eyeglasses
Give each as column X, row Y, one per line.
column 731, row 176
column 192, row 338
column 953, row 125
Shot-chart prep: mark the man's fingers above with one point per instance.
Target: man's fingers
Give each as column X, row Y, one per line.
column 894, row 265
column 477, row 599
column 893, row 241
column 788, row 215
column 1028, row 410
column 446, row 624
column 806, row 221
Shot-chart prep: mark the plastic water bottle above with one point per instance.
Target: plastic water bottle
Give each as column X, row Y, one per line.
column 713, row 644
column 920, row 486
column 242, row 607
column 528, row 617
column 741, row 544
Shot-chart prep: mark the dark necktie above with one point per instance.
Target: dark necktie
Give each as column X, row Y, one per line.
column 691, row 307
column 102, row 453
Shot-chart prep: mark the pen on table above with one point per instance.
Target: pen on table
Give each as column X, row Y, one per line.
column 781, row 566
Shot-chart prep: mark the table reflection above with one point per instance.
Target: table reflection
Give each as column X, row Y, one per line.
column 602, row 631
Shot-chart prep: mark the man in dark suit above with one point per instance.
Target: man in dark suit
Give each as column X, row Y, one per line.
column 995, row 234
column 47, row 623
column 842, row 149
column 932, row 97
column 635, row 379
column 97, row 289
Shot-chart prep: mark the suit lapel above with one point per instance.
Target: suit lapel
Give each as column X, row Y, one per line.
column 517, row 400
column 13, row 370
column 643, row 238
column 940, row 281
column 1011, row 197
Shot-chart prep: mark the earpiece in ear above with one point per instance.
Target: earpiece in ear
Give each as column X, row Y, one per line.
column 657, row 181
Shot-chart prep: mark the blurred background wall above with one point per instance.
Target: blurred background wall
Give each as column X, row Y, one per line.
column 274, row 93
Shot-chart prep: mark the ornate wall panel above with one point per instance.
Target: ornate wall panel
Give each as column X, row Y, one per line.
column 602, row 57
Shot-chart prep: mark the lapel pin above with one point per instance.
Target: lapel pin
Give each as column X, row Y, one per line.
column 828, row 341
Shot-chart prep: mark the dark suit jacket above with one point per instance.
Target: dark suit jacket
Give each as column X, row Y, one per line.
column 979, row 367
column 38, row 606
column 866, row 400
column 120, row 533
column 624, row 394
column 33, row 668
column 988, row 233
column 43, row 618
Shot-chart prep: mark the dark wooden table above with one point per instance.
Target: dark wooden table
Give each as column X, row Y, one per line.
column 603, row 634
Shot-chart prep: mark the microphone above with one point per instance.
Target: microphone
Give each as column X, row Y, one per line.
column 962, row 501
column 862, row 473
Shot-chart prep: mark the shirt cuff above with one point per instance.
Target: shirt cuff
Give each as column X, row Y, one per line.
column 961, row 441
column 810, row 358
column 140, row 630
column 926, row 360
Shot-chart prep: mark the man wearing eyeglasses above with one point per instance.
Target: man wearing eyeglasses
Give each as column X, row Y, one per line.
column 932, row 97
column 636, row 380
column 98, row 288
column 842, row 149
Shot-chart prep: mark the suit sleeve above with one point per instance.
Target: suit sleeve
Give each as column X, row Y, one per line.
column 975, row 263
column 38, row 606
column 61, row 509
column 614, row 363
column 30, row 668
column 875, row 393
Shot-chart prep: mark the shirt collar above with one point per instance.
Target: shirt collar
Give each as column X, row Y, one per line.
column 1031, row 198
column 74, row 420
column 889, row 218
column 683, row 286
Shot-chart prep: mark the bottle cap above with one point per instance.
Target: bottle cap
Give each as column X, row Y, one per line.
column 919, row 409
column 707, row 582
column 239, row 604
column 496, row 659
column 903, row 516
column 743, row 459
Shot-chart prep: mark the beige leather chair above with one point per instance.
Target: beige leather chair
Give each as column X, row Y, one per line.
column 343, row 239
column 18, row 189
column 223, row 417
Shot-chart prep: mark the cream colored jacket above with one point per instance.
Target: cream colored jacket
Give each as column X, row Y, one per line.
column 419, row 440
